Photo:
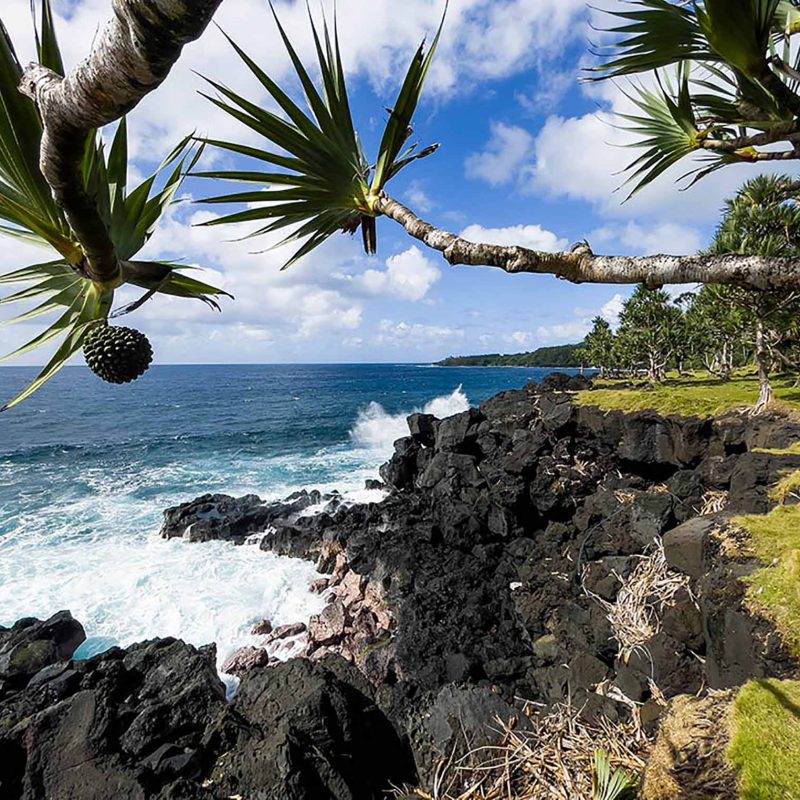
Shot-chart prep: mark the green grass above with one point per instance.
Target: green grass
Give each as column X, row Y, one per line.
column 775, row 588
column 694, row 395
column 765, row 743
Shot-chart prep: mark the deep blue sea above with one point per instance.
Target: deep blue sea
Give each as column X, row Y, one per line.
column 86, row 470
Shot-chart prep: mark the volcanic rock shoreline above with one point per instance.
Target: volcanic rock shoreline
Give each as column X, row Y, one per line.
column 483, row 580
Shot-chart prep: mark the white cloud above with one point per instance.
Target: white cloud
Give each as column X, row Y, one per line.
column 522, row 338
column 563, row 332
column 418, row 198
column 584, row 158
column 503, row 157
column 416, row 335
column 482, row 40
column 575, row 330
column 649, row 239
column 534, row 237
column 410, row 275
column 612, row 309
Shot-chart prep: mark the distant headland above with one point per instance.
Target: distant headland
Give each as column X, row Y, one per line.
column 567, row 356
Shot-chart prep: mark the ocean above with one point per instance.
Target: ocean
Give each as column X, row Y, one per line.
column 86, row 470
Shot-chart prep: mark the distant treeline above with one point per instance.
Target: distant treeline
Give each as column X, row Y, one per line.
column 567, row 355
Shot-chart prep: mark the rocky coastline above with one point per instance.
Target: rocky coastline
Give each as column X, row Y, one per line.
column 489, row 581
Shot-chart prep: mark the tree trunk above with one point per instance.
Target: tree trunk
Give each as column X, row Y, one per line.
column 133, row 55
column 581, row 265
column 764, row 362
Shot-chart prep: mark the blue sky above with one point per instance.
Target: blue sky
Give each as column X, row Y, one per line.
column 529, row 155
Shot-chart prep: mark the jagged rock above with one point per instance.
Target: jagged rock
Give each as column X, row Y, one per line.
column 308, row 731
column 454, row 432
column 126, row 724
column 508, row 412
column 319, row 585
column 245, row 659
column 262, row 628
column 30, row 645
column 328, row 627
column 423, row 429
column 285, row 632
column 752, row 477
column 686, row 546
column 219, row 516
column 456, row 721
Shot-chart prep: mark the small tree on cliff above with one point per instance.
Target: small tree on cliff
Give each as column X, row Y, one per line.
column 599, row 345
column 650, row 332
column 726, row 90
column 762, row 218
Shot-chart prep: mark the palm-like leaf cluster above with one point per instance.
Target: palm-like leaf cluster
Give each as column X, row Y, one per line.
column 325, row 183
column 28, row 212
column 736, row 79
column 611, row 784
column 763, row 218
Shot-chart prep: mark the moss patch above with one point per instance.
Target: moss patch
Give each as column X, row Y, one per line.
column 695, row 395
column 794, row 450
column 765, row 741
column 775, row 589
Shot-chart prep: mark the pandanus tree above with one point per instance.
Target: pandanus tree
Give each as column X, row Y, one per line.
column 763, row 218
column 62, row 189
column 725, row 89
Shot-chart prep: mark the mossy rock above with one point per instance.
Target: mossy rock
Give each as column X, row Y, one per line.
column 28, row 658
column 774, row 589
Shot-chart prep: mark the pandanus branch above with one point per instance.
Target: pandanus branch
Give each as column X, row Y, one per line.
column 132, row 56
column 581, row 265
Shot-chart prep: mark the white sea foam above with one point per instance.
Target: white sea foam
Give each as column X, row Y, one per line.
column 93, row 550
column 132, row 588
column 378, row 430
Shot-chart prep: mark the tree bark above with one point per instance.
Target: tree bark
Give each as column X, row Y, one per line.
column 133, row 55
column 581, row 265
column 763, row 360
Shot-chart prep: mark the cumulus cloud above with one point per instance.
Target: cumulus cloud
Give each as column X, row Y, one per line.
column 483, row 40
column 521, row 338
column 612, row 309
column 585, row 157
column 575, row 330
column 658, row 237
column 416, row 335
column 410, row 275
column 534, row 237
column 418, row 198
column 503, row 157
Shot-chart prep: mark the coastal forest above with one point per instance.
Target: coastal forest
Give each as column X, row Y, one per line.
column 583, row 588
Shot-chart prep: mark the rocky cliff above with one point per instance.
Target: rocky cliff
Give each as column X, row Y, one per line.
column 529, row 550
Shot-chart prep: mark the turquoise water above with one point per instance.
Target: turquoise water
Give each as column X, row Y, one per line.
column 86, row 470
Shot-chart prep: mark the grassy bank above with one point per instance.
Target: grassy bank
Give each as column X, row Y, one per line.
column 700, row 394
column 775, row 588
column 765, row 741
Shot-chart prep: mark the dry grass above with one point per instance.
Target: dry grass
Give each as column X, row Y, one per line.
column 635, row 615
column 688, row 760
column 713, row 503
column 787, row 488
column 553, row 760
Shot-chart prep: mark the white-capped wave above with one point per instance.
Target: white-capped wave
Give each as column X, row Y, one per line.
column 131, row 588
column 378, row 430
